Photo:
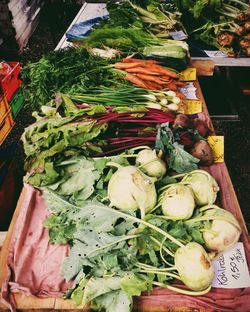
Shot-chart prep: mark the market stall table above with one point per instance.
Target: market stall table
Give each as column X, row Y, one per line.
column 228, row 200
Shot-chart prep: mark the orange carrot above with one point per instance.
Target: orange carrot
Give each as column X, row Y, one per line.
column 150, row 78
column 153, row 85
column 163, row 71
column 133, row 60
column 141, row 70
column 165, row 78
column 121, row 65
column 171, row 86
column 132, row 78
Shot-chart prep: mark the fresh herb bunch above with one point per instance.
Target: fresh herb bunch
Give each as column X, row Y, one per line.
column 66, row 70
column 124, row 39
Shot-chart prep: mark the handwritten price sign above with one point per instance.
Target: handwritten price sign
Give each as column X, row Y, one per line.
column 231, row 270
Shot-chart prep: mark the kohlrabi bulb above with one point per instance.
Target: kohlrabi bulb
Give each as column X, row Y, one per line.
column 177, row 202
column 151, row 164
column 203, row 185
column 194, row 266
column 130, row 189
column 223, row 233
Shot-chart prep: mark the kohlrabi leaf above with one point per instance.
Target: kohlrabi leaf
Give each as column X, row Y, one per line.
column 180, row 160
column 114, row 301
column 96, row 287
column 57, row 204
column 88, row 244
column 133, row 284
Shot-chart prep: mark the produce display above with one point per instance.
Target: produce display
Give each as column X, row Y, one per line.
column 224, row 24
column 119, row 163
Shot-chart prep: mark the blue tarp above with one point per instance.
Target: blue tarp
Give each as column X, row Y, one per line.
column 81, row 30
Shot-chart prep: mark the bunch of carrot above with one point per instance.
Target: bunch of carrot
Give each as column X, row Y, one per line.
column 148, row 74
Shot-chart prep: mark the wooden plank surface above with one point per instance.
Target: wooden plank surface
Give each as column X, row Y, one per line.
column 226, row 61
column 204, row 68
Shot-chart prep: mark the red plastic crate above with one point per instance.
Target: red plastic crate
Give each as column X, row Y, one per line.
column 10, row 83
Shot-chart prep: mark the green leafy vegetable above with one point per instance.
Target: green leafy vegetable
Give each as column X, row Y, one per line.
column 180, row 160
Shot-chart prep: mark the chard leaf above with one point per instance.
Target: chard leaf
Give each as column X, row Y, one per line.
column 114, row 301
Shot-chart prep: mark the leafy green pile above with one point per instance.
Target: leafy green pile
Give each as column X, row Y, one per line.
column 124, row 39
column 151, row 16
column 220, row 23
column 51, row 140
column 114, row 255
column 66, row 70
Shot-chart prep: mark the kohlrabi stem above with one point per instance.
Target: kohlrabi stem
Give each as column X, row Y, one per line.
column 128, row 156
column 104, row 199
column 160, row 244
column 207, row 207
column 208, row 218
column 178, row 175
column 209, row 231
column 155, row 207
column 163, row 188
column 149, row 162
column 113, row 164
column 127, row 216
column 183, row 291
column 113, row 243
column 161, row 273
column 150, row 267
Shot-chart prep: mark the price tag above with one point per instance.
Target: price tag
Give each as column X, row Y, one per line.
column 178, row 35
column 231, row 270
column 189, row 74
column 192, row 107
column 215, row 53
column 216, row 143
column 189, row 91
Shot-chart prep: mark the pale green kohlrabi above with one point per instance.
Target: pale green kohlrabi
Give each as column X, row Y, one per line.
column 194, row 266
column 148, row 161
column 177, row 202
column 224, row 231
column 203, row 185
column 131, row 189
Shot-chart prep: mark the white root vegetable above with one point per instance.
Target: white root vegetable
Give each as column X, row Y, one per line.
column 194, row 266
column 131, row 189
column 223, row 233
column 151, row 164
column 203, row 185
column 177, row 202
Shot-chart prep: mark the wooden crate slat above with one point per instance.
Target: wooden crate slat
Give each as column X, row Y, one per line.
column 19, row 6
